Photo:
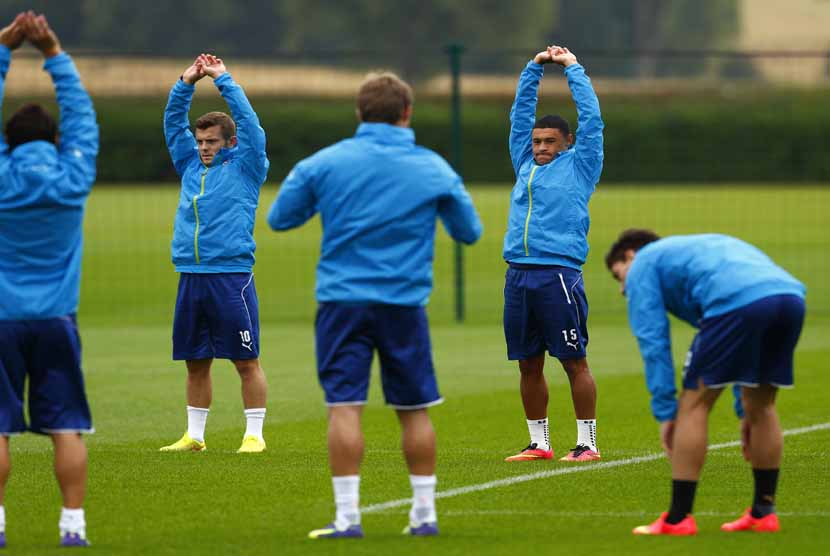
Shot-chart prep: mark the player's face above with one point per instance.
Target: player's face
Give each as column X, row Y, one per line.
column 210, row 141
column 620, row 270
column 547, row 143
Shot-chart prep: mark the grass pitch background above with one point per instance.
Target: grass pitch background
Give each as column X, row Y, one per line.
column 144, row 502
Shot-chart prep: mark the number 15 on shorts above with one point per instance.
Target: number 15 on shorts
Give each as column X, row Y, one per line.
column 571, row 338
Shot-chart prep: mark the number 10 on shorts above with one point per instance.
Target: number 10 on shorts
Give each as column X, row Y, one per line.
column 245, row 335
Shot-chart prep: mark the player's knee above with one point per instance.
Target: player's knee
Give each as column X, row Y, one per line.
column 574, row 367
column 247, row 367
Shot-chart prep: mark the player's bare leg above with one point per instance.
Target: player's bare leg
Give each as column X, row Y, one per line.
column 534, row 387
column 584, row 397
column 5, row 466
column 254, row 395
column 534, row 390
column 199, row 397
column 763, row 444
column 691, row 432
column 254, row 384
column 199, row 385
column 345, row 440
column 418, row 441
column 71, row 472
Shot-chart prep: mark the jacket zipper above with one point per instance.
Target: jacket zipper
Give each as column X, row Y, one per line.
column 529, row 207
column 196, row 212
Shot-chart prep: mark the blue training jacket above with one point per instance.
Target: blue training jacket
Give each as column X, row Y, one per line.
column 378, row 194
column 548, row 221
column 43, row 191
column 214, row 226
column 692, row 277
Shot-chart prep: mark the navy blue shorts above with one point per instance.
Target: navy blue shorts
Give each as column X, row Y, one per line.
column 347, row 336
column 48, row 352
column 217, row 315
column 749, row 346
column 545, row 308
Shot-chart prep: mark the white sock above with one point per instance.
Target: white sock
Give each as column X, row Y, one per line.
column 253, row 422
column 196, row 419
column 346, row 500
column 423, row 499
column 2, row 519
column 586, row 433
column 539, row 433
column 72, row 521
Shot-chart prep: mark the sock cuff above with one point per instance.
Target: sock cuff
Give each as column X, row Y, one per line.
column 537, row 421
column 201, row 409
column 345, row 479
column 422, row 480
column 255, row 412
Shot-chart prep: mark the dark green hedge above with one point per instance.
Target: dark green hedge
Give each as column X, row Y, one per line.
column 763, row 137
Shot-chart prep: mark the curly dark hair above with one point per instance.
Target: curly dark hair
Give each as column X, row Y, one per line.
column 634, row 239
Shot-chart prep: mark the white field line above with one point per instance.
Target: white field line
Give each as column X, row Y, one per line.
column 374, row 508
column 641, row 513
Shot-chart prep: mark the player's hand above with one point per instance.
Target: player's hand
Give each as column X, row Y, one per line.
column 12, row 35
column 194, row 73
column 213, row 66
column 745, row 438
column 41, row 35
column 667, row 436
column 562, row 56
column 544, row 57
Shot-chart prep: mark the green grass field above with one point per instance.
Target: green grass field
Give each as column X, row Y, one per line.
column 144, row 502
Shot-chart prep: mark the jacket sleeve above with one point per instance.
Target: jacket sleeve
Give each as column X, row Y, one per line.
column 296, row 202
column 458, row 214
column 523, row 114
column 250, row 135
column 78, row 147
column 177, row 134
column 588, row 150
column 650, row 325
column 5, row 60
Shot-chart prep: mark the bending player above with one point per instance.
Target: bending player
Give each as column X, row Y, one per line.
column 545, row 308
column 378, row 195
column 217, row 311
column 46, row 172
column 750, row 313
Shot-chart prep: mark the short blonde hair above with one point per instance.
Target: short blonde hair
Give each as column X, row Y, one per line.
column 383, row 97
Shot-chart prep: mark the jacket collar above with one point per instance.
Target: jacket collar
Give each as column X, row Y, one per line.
column 34, row 150
column 386, row 133
column 223, row 155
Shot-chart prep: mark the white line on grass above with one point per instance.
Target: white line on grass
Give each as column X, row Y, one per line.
column 641, row 513
column 374, row 508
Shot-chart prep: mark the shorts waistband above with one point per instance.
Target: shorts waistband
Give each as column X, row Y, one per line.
column 523, row 266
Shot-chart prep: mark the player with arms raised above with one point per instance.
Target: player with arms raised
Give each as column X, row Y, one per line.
column 46, row 173
column 545, row 308
column 213, row 247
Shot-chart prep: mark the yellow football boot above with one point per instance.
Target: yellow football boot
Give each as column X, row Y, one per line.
column 251, row 445
column 185, row 444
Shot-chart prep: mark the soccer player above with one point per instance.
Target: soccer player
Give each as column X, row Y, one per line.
column 378, row 195
column 749, row 312
column 46, row 172
column 545, row 246
column 217, row 315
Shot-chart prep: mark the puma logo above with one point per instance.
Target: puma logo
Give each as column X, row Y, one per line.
column 573, row 346
column 248, row 346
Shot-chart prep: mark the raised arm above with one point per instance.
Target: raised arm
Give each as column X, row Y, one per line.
column 11, row 37
column 296, row 202
column 458, row 214
column 588, row 150
column 523, row 113
column 650, row 325
column 180, row 141
column 250, row 135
